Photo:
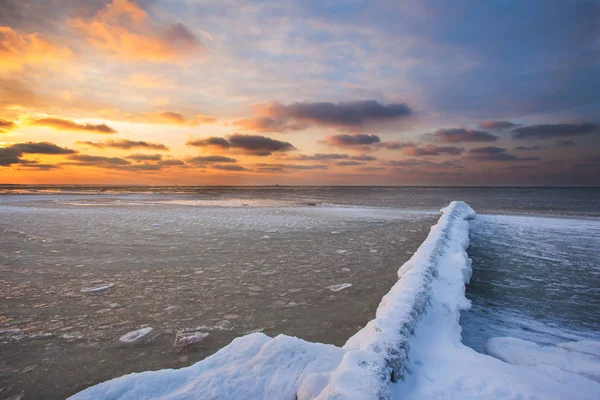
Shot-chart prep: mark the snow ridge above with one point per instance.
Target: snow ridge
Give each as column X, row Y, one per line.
column 377, row 353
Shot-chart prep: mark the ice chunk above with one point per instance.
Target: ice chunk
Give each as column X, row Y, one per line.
column 135, row 336
column 187, row 339
column 97, row 288
column 338, row 287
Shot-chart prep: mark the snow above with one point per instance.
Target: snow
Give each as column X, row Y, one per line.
column 135, row 336
column 583, row 346
column 565, row 357
column 256, row 366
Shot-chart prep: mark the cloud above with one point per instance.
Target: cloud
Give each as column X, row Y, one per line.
column 497, row 125
column 348, row 163
column 565, row 143
column 395, row 145
column 67, row 125
column 362, row 142
column 228, row 167
column 432, row 150
column 268, row 124
column 458, row 135
column 327, row 157
column 363, row 157
column 277, row 117
column 40, row 167
column 171, row 118
column 320, row 157
column 248, row 144
column 18, row 50
column 98, row 161
column 282, row 167
column 121, row 163
column 414, row 162
column 171, row 163
column 149, row 166
column 528, row 148
column 559, row 144
column 492, row 153
column 204, row 160
column 40, row 148
column 124, row 30
column 352, row 141
column 212, row 141
column 125, row 144
column 12, row 154
column 6, row 126
column 144, row 157
column 554, row 130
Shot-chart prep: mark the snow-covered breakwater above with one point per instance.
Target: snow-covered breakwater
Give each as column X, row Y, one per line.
column 256, row 366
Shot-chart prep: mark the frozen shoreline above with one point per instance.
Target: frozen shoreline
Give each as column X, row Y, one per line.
column 256, row 366
column 411, row 350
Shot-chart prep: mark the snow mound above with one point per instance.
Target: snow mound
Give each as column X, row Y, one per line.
column 256, row 366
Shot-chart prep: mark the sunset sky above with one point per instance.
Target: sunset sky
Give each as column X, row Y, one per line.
column 233, row 92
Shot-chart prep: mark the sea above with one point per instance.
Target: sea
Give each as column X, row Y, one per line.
column 80, row 267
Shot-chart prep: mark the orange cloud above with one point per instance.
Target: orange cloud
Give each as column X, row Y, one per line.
column 18, row 50
column 67, row 125
column 6, row 126
column 172, row 118
column 125, row 30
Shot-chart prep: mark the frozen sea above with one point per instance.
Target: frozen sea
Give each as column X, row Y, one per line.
column 307, row 262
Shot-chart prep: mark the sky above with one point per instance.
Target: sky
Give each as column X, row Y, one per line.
column 348, row 92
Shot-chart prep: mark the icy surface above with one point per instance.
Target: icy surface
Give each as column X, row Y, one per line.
column 258, row 367
column 537, row 279
column 181, row 268
column 440, row 366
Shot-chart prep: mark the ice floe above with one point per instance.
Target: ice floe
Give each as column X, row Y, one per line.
column 188, row 339
column 338, row 287
column 97, row 288
column 135, row 337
